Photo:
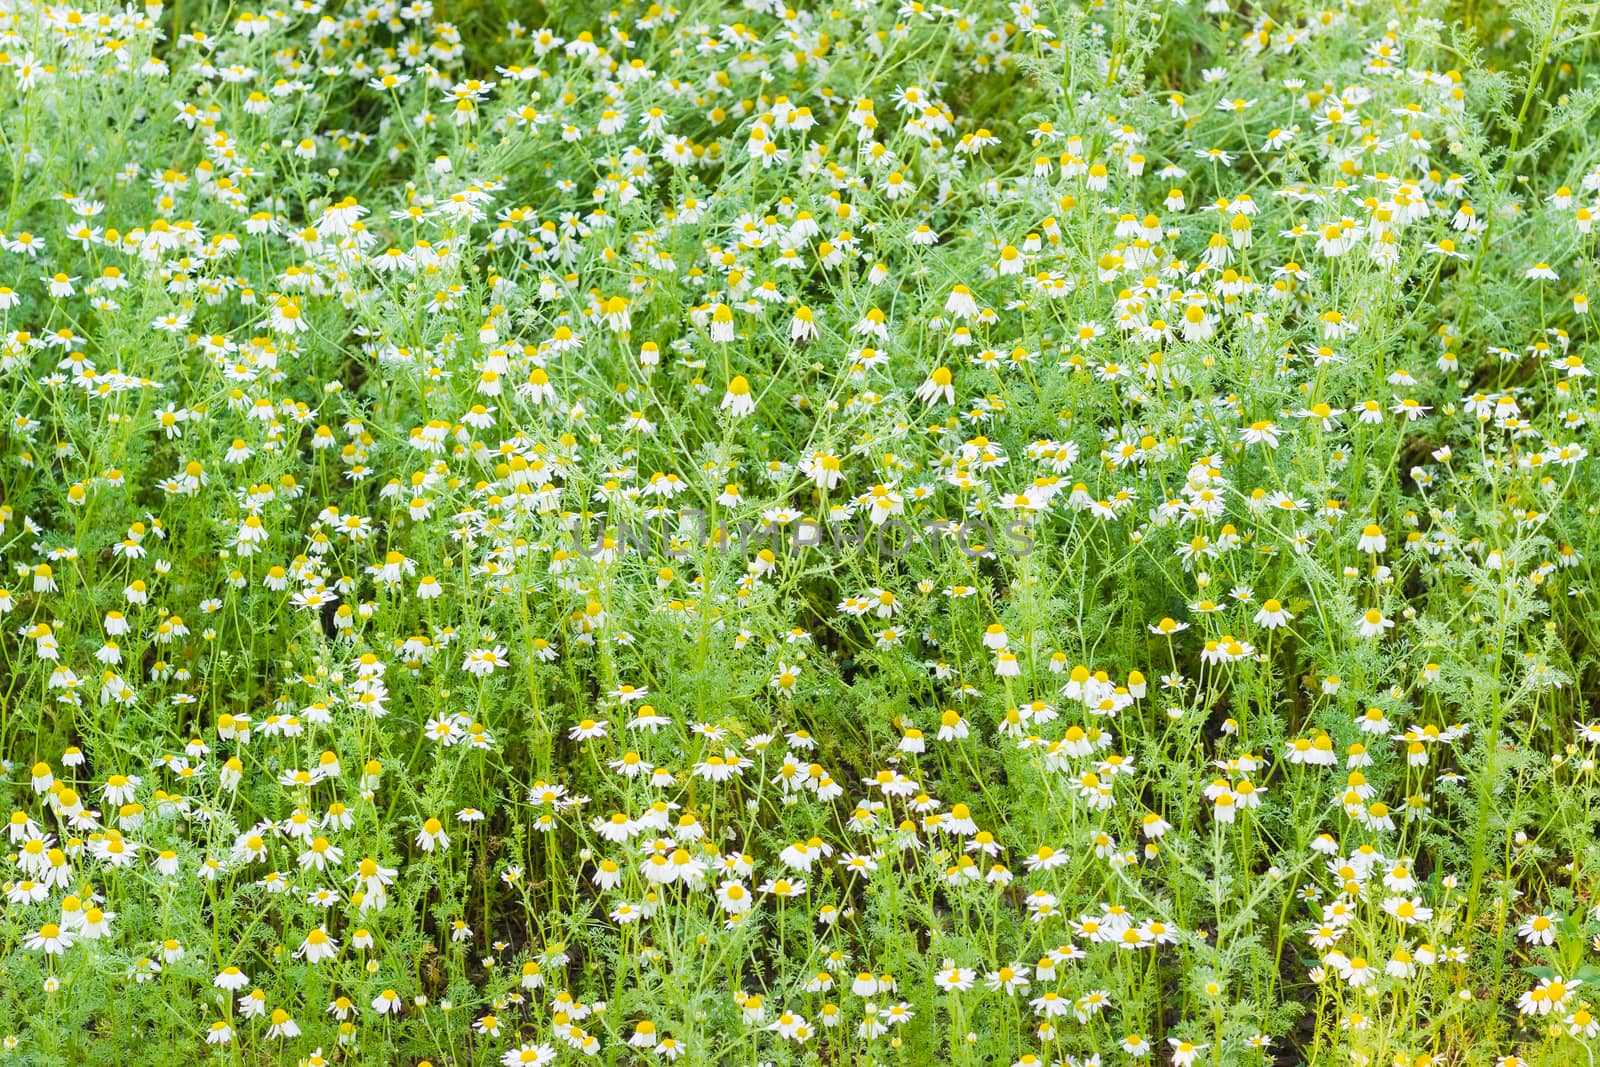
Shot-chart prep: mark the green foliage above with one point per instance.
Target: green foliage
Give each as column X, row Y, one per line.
column 1032, row 534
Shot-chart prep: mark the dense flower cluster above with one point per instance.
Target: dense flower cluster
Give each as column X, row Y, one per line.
column 1031, row 534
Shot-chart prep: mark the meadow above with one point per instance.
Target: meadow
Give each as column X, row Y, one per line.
column 1055, row 533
